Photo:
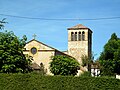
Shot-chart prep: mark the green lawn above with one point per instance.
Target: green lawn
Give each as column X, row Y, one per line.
column 38, row 82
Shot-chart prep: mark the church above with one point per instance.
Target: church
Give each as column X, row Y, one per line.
column 79, row 43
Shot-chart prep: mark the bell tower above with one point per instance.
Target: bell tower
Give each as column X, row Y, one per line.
column 79, row 41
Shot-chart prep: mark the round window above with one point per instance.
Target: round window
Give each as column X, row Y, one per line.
column 33, row 50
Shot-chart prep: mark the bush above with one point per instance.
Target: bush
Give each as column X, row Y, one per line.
column 40, row 82
column 86, row 74
column 64, row 65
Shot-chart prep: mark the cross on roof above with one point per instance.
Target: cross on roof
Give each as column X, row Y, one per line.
column 34, row 36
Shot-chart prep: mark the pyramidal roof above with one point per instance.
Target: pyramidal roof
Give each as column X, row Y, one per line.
column 79, row 26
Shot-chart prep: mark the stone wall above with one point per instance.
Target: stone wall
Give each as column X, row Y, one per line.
column 78, row 48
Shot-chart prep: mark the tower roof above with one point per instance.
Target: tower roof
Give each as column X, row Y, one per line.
column 79, row 26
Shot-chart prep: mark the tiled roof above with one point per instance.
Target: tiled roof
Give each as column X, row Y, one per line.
column 79, row 26
column 95, row 66
column 35, row 66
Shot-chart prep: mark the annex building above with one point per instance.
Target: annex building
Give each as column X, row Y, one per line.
column 79, row 43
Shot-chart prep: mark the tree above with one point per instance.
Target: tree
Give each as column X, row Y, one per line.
column 87, row 60
column 2, row 22
column 64, row 65
column 12, row 59
column 110, row 57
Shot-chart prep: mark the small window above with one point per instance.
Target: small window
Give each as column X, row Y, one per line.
column 72, row 36
column 33, row 50
column 79, row 36
column 75, row 36
column 83, row 35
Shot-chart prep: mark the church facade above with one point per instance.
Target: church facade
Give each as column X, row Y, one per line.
column 79, row 43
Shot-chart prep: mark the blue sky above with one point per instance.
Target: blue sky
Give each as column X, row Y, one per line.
column 54, row 33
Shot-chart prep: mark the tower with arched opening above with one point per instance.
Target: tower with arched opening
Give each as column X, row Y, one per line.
column 79, row 41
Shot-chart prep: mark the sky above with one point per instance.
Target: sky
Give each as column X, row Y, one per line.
column 54, row 32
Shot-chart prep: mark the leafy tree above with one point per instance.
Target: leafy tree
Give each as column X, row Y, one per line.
column 64, row 65
column 110, row 57
column 12, row 58
column 87, row 60
column 2, row 22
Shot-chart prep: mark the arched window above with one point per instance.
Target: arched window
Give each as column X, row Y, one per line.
column 72, row 36
column 79, row 36
column 75, row 36
column 83, row 35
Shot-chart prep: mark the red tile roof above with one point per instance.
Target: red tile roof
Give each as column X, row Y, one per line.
column 79, row 26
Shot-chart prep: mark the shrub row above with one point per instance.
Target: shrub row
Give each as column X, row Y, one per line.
column 39, row 82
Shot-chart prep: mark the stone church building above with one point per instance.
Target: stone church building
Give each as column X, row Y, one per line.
column 79, row 43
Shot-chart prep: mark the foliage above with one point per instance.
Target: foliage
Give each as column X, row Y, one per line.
column 12, row 58
column 2, row 22
column 110, row 57
column 64, row 65
column 87, row 60
column 39, row 82
column 86, row 74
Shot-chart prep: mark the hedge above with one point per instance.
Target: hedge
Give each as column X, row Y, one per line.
column 39, row 82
